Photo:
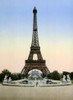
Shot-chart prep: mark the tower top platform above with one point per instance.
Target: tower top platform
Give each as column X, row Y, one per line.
column 34, row 10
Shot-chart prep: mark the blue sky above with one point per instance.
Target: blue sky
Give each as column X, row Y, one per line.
column 57, row 15
column 55, row 29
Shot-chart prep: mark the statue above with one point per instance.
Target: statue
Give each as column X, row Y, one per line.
column 64, row 78
column 9, row 80
column 5, row 79
column 68, row 79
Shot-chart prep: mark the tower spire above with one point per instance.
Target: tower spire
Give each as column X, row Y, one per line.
column 35, row 40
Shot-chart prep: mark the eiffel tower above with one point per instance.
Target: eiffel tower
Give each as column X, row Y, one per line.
column 30, row 63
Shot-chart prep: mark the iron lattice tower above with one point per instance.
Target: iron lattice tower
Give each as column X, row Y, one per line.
column 30, row 63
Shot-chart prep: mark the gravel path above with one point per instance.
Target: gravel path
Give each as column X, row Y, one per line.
column 36, row 93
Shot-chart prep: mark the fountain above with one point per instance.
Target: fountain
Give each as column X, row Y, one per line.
column 43, row 82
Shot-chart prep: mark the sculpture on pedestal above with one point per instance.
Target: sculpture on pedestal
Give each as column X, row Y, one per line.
column 68, row 79
column 5, row 79
column 9, row 80
column 64, row 78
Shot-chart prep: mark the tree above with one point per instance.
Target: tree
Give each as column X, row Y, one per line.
column 14, row 77
column 71, row 75
column 65, row 73
column 43, row 75
column 3, row 73
column 55, row 75
column 20, row 76
column 50, row 76
column 0, row 77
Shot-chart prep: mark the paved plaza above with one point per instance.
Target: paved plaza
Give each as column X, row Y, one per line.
column 36, row 93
